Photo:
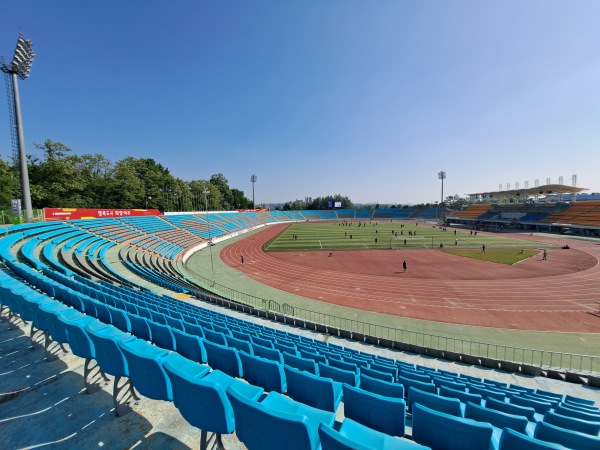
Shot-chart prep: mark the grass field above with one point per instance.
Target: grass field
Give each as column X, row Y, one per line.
column 382, row 235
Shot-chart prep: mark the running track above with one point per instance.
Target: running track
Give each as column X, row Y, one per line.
column 559, row 294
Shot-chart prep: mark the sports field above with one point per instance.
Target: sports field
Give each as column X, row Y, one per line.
column 382, row 235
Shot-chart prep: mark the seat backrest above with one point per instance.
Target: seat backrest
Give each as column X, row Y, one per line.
column 433, row 401
column 334, row 440
column 145, row 369
column 569, row 411
column 263, row 372
column 511, row 440
column 572, row 423
column 202, row 403
column 497, row 418
column 139, row 327
column 339, row 375
column 447, row 432
column 579, row 401
column 487, row 393
column 190, row 346
column 162, row 336
column 385, row 388
column 408, row 383
column 375, row 411
column 384, row 376
column 297, row 362
column 343, row 365
column 511, row 408
column 267, row 353
column 461, row 395
column 109, row 355
column 570, row 439
column 312, row 390
column 259, row 427
column 214, row 336
column 539, row 406
column 239, row 344
column 223, row 358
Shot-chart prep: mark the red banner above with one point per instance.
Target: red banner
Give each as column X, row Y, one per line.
column 51, row 214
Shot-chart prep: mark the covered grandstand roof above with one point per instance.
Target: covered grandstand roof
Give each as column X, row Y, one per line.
column 546, row 189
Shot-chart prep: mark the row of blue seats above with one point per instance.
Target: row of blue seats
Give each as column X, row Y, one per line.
column 201, row 394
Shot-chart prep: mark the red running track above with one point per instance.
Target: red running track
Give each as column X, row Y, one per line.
column 558, row 294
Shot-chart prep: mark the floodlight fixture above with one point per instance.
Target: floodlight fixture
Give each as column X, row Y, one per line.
column 20, row 68
column 22, row 59
column 442, row 176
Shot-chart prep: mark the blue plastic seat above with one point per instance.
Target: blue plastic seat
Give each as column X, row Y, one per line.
column 278, row 422
column 499, row 420
column 385, row 388
column 463, row 396
column 573, row 423
column 570, row 439
column 315, row 391
column 511, row 440
column 190, row 346
column 300, row 363
column 384, row 376
column 442, row 431
column 408, row 383
column 82, row 345
column 337, row 374
column 384, row 414
column 436, row 402
column 511, row 408
column 162, row 336
column 111, row 360
column 223, row 358
column 354, row 436
column 200, row 399
column 145, row 369
column 263, row 372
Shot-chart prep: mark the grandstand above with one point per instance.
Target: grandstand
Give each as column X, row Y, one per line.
column 271, row 381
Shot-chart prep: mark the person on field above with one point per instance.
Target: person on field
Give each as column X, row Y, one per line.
column 242, row 260
column 483, row 248
column 404, row 266
column 545, row 255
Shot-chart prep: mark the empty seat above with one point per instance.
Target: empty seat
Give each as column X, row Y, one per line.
column 223, row 358
column 511, row 440
column 442, row 431
column 384, row 414
column 385, row 388
column 201, row 399
column 570, row 439
column 337, row 374
column 146, row 372
column 436, row 402
column 263, row 372
column 313, row 390
column 277, row 422
column 572, row 423
column 354, row 436
column 297, row 362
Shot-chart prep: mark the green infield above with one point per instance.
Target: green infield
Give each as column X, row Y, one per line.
column 382, row 235
column 497, row 255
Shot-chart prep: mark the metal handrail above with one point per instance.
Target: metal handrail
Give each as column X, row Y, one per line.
column 545, row 359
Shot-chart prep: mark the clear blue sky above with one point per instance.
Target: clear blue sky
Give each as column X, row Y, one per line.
column 368, row 99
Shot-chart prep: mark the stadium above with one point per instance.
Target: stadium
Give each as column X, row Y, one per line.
column 145, row 303
column 256, row 326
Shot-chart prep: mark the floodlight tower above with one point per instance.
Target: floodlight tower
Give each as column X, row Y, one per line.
column 442, row 176
column 253, row 180
column 20, row 67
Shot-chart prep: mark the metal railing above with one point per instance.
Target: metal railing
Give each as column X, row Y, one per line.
column 544, row 359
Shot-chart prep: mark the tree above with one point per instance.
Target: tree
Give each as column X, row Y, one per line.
column 57, row 177
column 220, row 182
column 8, row 184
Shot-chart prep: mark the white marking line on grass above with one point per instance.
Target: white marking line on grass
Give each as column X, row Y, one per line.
column 365, row 245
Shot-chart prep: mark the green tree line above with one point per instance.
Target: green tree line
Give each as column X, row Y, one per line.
column 62, row 179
